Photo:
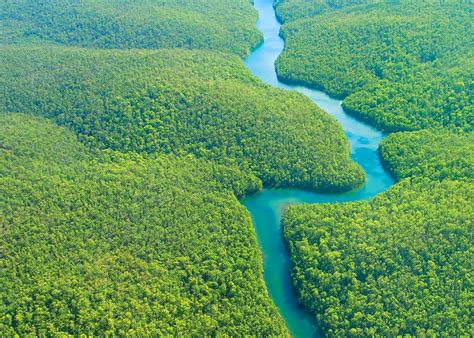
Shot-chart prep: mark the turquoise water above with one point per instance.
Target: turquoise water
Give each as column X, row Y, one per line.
column 267, row 206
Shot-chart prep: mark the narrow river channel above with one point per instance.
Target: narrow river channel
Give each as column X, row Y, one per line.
column 267, row 206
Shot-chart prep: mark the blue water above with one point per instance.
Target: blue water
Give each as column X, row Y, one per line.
column 267, row 206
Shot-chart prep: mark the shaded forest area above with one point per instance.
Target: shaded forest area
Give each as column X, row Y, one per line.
column 225, row 25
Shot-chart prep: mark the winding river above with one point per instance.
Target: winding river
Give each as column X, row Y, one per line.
column 266, row 207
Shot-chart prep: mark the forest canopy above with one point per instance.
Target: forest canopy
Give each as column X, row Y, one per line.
column 401, row 263
column 291, row 10
column 127, row 132
column 181, row 102
column 227, row 25
column 398, row 265
column 99, row 243
column 129, row 129
column 399, row 65
column 437, row 154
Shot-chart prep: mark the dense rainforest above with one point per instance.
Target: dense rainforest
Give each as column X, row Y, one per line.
column 227, row 25
column 177, row 101
column 101, row 243
column 291, row 10
column 128, row 131
column 437, row 154
column 403, row 65
column 401, row 263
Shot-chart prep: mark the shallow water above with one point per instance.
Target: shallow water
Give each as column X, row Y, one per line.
column 267, row 206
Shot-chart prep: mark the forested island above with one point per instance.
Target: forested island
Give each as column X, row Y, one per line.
column 129, row 130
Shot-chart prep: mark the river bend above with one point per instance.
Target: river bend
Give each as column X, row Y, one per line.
column 267, row 206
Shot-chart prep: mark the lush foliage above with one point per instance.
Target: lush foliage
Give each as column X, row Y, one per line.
column 291, row 10
column 124, row 220
column 175, row 101
column 106, row 244
column 205, row 24
column 437, row 154
column 427, row 97
column 402, row 66
column 400, row 264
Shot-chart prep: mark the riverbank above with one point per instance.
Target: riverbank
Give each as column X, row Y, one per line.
column 267, row 206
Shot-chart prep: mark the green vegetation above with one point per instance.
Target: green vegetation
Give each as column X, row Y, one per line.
column 400, row 264
column 291, row 10
column 122, row 161
column 129, row 129
column 100, row 243
column 426, row 98
column 436, row 154
column 402, row 66
column 180, row 102
column 227, row 25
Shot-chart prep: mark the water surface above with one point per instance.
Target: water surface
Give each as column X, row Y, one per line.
column 267, row 206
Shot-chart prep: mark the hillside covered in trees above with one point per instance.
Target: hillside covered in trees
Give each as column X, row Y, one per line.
column 227, row 25
column 291, row 10
column 437, row 154
column 128, row 131
column 179, row 102
column 100, row 243
column 398, row 265
column 403, row 65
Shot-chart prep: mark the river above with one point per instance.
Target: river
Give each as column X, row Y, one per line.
column 267, row 206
